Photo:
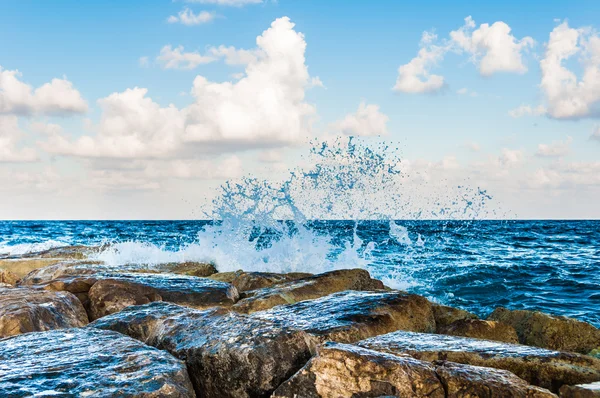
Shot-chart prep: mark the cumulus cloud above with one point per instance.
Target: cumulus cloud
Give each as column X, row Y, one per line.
column 415, row 77
column 177, row 58
column 492, row 47
column 368, row 120
column 189, row 18
column 266, row 108
column 555, row 149
column 527, row 110
column 58, row 97
column 567, row 96
column 10, row 136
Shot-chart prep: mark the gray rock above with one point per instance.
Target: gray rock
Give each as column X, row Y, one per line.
column 88, row 363
column 591, row 390
column 350, row 316
column 541, row 367
column 29, row 310
column 227, row 354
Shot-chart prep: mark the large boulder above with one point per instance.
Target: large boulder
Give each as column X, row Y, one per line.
column 21, row 267
column 108, row 296
column 29, row 310
column 445, row 315
column 591, row 390
column 552, row 332
column 541, row 367
column 88, row 363
column 307, row 289
column 227, row 354
column 347, row 371
column 8, row 277
column 350, row 316
column 246, row 281
column 480, row 329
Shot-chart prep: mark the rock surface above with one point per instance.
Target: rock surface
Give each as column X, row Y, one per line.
column 444, row 315
column 552, row 332
column 29, row 310
column 245, row 281
column 108, row 296
column 347, row 371
column 8, row 278
column 581, row 391
column 307, row 289
column 88, row 363
column 541, row 367
column 227, row 354
column 350, row 316
column 480, row 329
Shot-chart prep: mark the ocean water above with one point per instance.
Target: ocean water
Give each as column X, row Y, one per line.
column 552, row 266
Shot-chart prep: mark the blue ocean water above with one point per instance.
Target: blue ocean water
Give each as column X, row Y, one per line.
column 551, row 266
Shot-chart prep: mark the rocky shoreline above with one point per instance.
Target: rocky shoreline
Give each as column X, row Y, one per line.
column 72, row 327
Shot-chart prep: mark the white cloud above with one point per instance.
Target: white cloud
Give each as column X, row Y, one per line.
column 466, row 91
column 510, row 157
column 415, row 77
column 492, row 47
column 177, row 58
column 264, row 109
column 270, row 156
column 567, row 96
column 10, row 135
column 317, row 82
column 527, row 110
column 235, row 3
column 473, row 146
column 188, row 18
column 368, row 120
column 555, row 149
column 235, row 56
column 144, row 62
column 595, row 134
column 58, row 97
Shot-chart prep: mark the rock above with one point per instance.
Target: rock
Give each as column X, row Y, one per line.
column 541, row 367
column 188, row 268
column 552, row 332
column 8, row 278
column 60, row 269
column 581, row 391
column 22, row 267
column 480, row 329
column 88, row 362
column 307, row 289
column 227, row 277
column 445, row 315
column 246, row 281
column 108, row 296
column 76, row 252
column 350, row 316
column 29, row 310
column 227, row 354
column 347, row 371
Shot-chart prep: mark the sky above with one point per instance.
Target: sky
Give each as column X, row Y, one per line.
column 142, row 109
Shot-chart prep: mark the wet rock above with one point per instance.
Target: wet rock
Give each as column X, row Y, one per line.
column 75, row 252
column 246, row 281
column 29, row 310
column 541, row 367
column 227, row 277
column 307, row 289
column 108, row 296
column 445, row 315
column 50, row 273
column 480, row 329
column 188, row 268
column 581, row 391
column 227, row 354
column 8, row 278
column 350, row 316
column 346, row 371
column 552, row 332
column 88, row 362
column 341, row 370
column 22, row 267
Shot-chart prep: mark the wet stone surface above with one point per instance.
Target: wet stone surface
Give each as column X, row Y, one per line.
column 88, row 363
column 591, row 390
column 350, row 316
column 541, row 367
column 227, row 354
column 25, row 310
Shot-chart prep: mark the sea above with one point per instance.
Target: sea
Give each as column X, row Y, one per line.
column 444, row 247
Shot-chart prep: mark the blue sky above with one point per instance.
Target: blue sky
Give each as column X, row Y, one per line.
column 354, row 48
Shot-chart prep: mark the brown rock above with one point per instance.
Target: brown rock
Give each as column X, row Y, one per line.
column 347, row 371
column 227, row 277
column 552, row 332
column 188, row 268
column 29, row 310
column 8, row 278
column 63, row 268
column 88, row 363
column 227, row 354
column 445, row 315
column 22, row 267
column 544, row 368
column 480, row 329
column 307, row 289
column 108, row 296
column 246, row 281
column 581, row 391
column 76, row 252
column 350, row 316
